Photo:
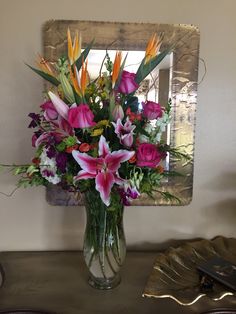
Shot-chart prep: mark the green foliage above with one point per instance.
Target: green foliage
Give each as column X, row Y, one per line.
column 83, row 55
column 177, row 153
column 62, row 66
column 45, row 76
column 28, row 181
column 108, row 64
column 115, row 202
column 169, row 197
column 146, row 68
column 61, row 146
column 70, row 141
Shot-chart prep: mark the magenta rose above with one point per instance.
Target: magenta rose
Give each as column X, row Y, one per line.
column 127, row 83
column 148, row 155
column 152, row 110
column 81, row 117
column 50, row 112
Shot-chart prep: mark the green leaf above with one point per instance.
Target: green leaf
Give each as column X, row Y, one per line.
column 83, row 55
column 146, row 68
column 172, row 174
column 140, row 129
column 44, row 75
column 169, row 197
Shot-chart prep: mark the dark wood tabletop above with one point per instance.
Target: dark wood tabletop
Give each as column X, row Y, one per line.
column 57, row 282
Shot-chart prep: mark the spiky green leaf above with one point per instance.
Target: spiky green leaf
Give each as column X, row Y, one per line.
column 83, row 55
column 45, row 76
column 146, row 68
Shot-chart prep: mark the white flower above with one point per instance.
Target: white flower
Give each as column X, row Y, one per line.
column 48, row 168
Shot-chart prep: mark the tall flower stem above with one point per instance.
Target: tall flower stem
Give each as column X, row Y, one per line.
column 104, row 241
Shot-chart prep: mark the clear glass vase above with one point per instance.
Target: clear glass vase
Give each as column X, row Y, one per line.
column 104, row 241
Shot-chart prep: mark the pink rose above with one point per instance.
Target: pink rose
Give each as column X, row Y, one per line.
column 148, row 155
column 50, row 112
column 81, row 117
column 152, row 110
column 127, row 83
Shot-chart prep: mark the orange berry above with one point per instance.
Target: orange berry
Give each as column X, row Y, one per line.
column 84, row 147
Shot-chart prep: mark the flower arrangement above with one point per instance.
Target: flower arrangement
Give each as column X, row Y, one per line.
column 96, row 133
column 95, row 136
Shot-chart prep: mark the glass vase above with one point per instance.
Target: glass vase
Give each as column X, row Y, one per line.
column 104, row 241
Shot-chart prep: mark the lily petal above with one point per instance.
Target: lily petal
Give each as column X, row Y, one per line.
column 88, row 163
column 59, row 105
column 65, row 126
column 114, row 159
column 119, row 180
column 104, row 182
column 103, row 148
column 83, row 175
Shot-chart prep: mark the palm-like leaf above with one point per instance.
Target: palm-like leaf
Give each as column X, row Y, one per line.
column 146, row 68
column 83, row 55
column 46, row 76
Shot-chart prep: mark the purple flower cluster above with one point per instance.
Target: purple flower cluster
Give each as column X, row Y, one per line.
column 128, row 194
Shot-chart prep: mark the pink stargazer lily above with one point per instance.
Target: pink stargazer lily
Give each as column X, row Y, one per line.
column 103, row 169
column 124, row 132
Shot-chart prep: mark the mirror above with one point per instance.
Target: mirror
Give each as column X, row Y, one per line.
column 175, row 79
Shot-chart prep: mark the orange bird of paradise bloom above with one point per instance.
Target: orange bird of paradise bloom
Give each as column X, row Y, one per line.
column 74, row 50
column 80, row 83
column 44, row 65
column 116, row 68
column 153, row 47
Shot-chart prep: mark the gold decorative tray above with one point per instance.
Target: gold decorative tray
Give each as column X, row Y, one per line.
column 174, row 273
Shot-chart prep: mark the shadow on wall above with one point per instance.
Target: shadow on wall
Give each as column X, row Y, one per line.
column 224, row 182
column 221, row 213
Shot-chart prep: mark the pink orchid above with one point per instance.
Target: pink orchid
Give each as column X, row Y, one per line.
column 103, row 169
column 124, row 132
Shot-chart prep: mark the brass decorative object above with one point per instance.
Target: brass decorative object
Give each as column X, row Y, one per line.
column 1, row 276
column 174, row 273
column 182, row 88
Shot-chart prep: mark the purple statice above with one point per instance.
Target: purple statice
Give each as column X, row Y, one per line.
column 48, row 173
column 36, row 119
column 61, row 161
column 51, row 152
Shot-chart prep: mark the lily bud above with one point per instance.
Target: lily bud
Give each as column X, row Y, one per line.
column 67, row 89
column 118, row 112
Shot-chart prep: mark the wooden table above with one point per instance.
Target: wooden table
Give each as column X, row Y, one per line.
column 57, row 282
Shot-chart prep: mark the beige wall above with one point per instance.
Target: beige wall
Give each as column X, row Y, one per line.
column 27, row 222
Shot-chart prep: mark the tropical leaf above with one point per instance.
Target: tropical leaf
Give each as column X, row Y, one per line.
column 146, row 68
column 46, row 76
column 83, row 55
